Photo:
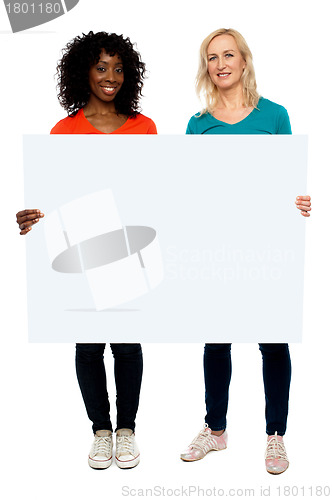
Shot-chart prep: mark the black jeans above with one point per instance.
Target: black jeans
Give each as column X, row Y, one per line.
column 91, row 375
column 276, row 375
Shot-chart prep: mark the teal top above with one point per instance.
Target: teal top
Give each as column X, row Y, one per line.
column 267, row 118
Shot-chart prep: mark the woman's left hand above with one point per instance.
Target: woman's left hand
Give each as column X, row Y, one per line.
column 303, row 203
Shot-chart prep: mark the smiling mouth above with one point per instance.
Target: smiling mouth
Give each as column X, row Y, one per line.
column 223, row 75
column 108, row 90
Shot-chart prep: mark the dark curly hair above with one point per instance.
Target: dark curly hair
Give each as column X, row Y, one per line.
column 84, row 51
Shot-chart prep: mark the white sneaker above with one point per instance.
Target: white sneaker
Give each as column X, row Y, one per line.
column 126, row 452
column 100, row 456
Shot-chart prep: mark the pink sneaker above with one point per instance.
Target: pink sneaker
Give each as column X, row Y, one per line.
column 276, row 460
column 203, row 443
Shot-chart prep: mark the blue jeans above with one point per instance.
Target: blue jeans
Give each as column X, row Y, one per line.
column 91, row 375
column 276, row 375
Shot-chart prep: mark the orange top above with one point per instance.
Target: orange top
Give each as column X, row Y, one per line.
column 78, row 124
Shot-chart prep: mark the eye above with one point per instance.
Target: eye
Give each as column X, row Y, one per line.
column 119, row 70
column 229, row 55
column 212, row 58
column 101, row 69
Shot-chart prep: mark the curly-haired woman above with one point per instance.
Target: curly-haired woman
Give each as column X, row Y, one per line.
column 100, row 79
column 226, row 77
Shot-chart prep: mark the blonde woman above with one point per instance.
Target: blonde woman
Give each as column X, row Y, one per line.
column 226, row 80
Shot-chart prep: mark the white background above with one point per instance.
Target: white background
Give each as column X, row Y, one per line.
column 45, row 434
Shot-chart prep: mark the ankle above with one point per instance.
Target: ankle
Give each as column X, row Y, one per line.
column 217, row 433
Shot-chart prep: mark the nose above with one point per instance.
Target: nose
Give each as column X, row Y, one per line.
column 109, row 75
column 221, row 62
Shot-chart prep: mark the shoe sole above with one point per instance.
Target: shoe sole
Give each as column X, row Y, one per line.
column 196, row 459
column 95, row 464
column 127, row 465
column 274, row 473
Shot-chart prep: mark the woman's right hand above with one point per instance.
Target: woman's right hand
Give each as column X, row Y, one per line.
column 27, row 218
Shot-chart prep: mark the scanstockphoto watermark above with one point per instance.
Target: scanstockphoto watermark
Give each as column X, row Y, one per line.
column 280, row 491
column 226, row 264
column 23, row 15
column 186, row 491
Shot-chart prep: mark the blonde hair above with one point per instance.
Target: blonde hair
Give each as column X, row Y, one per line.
column 206, row 88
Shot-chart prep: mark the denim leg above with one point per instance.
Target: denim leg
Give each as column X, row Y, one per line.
column 217, row 374
column 277, row 376
column 128, row 369
column 91, row 377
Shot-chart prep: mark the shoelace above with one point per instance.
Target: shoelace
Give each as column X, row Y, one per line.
column 204, row 440
column 276, row 449
column 125, row 445
column 101, row 446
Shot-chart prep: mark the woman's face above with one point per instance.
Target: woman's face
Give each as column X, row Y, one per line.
column 225, row 62
column 106, row 77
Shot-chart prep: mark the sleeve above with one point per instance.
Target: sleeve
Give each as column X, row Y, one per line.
column 60, row 128
column 190, row 129
column 152, row 129
column 284, row 126
column 55, row 130
column 68, row 125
